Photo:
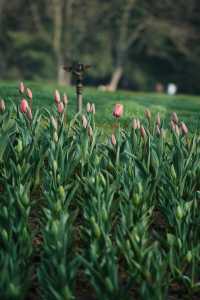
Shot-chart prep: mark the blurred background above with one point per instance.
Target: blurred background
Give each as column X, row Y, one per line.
column 131, row 44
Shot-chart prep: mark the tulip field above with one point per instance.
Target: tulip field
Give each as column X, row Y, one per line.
column 95, row 211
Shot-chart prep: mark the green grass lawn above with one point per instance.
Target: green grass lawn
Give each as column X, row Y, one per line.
column 187, row 106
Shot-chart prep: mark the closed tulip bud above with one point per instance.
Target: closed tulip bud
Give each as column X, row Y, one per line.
column 109, row 285
column 138, row 123
column 2, row 105
column 4, row 235
column 55, row 137
column 96, row 228
column 54, row 123
column 19, row 146
column 118, row 110
column 57, row 96
column 177, row 131
column 65, row 99
column 189, row 256
column 29, row 93
column 113, row 140
column 61, row 192
column 143, row 132
column 21, row 87
column 88, row 107
column 173, row 172
column 184, row 128
column 23, row 106
column 29, row 114
column 136, row 199
column 55, row 227
column 147, row 114
column 93, row 109
column 179, row 213
column 60, row 107
column 90, row 131
column 158, row 121
column 134, row 124
column 84, row 121
column 55, row 166
column 175, row 118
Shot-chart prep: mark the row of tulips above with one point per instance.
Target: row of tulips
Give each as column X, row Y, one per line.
column 118, row 216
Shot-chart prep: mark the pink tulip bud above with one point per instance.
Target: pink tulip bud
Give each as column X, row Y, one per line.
column 29, row 93
column 90, row 131
column 175, row 118
column 92, row 109
column 134, row 124
column 57, row 96
column 143, row 132
column 21, row 87
column 113, row 140
column 88, row 107
column 29, row 114
column 184, row 128
column 118, row 110
column 147, row 114
column 158, row 122
column 60, row 107
column 84, row 121
column 23, row 106
column 138, row 123
column 65, row 99
column 2, row 105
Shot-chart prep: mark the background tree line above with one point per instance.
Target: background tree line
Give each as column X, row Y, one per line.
column 129, row 43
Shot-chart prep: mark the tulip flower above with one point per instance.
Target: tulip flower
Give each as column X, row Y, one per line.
column 134, row 124
column 143, row 132
column 138, row 123
column 158, row 122
column 54, row 123
column 113, row 140
column 92, row 109
column 177, row 130
column 2, row 105
column 65, row 99
column 118, row 110
column 60, row 107
column 21, row 87
column 57, row 96
column 88, row 107
column 29, row 93
column 29, row 114
column 90, row 131
column 147, row 114
column 84, row 121
column 175, row 118
column 184, row 128
column 23, row 106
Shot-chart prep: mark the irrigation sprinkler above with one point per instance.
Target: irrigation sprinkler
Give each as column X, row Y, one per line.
column 78, row 70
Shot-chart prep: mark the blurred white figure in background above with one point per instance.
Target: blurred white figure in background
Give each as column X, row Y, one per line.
column 171, row 89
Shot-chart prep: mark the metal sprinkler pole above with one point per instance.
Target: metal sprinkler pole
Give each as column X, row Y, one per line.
column 78, row 70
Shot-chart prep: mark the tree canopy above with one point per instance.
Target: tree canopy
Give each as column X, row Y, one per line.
column 131, row 43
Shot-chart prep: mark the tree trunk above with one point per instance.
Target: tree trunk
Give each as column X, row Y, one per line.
column 115, row 79
column 64, row 78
